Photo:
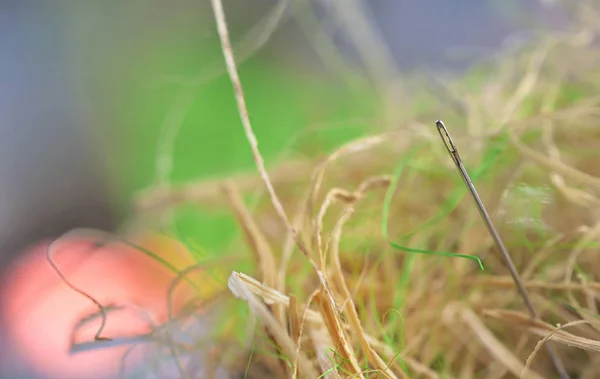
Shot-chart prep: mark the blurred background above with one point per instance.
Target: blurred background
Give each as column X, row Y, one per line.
column 101, row 100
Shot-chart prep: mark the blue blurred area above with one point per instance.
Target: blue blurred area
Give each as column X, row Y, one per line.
column 454, row 34
column 50, row 181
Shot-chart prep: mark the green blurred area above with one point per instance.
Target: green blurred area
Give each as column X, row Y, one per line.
column 211, row 141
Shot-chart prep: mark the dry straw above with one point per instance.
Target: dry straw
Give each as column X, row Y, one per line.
column 342, row 324
column 353, row 303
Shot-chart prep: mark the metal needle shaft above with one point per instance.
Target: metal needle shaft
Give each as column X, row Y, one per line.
column 453, row 151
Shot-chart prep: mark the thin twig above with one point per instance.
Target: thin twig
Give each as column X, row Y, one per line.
column 243, row 112
column 251, row 137
column 538, row 346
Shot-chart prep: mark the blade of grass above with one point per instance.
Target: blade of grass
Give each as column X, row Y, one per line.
column 385, row 215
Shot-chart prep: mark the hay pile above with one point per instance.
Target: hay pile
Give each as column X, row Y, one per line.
column 333, row 296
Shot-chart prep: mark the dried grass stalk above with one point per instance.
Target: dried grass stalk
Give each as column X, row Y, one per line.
column 486, row 338
column 241, row 289
column 543, row 329
column 254, row 236
column 339, row 337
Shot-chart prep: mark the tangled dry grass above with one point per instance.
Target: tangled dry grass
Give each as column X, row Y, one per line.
column 331, row 296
